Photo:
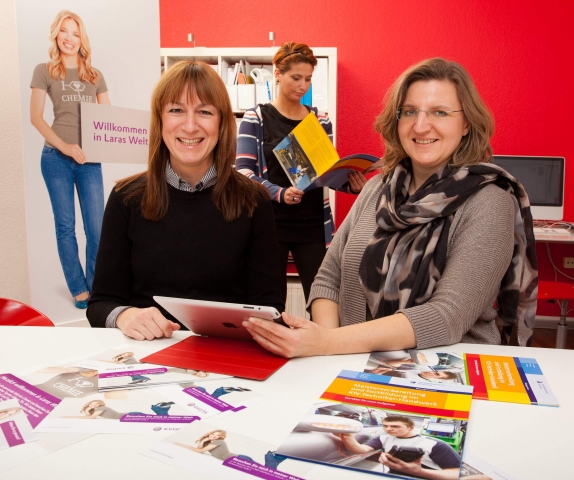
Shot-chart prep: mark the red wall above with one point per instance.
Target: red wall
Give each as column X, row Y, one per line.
column 517, row 51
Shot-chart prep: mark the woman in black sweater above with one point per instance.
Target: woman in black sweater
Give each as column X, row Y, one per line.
column 190, row 226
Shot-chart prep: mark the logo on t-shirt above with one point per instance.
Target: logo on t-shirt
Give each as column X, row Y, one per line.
column 78, row 87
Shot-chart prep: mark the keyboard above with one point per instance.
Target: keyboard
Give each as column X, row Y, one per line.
column 550, row 234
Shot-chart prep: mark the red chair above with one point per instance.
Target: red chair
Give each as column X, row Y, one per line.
column 14, row 313
column 562, row 292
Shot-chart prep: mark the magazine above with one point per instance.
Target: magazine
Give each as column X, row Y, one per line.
column 214, row 451
column 384, row 425
column 310, row 160
column 496, row 378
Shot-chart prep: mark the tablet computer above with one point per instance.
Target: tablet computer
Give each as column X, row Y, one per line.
column 216, row 319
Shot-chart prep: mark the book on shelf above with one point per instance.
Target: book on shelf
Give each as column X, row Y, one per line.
column 384, row 425
column 496, row 378
column 310, row 160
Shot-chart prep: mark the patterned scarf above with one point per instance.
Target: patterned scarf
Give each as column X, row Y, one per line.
column 407, row 254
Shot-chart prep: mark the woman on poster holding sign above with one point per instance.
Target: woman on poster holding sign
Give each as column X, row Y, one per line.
column 69, row 78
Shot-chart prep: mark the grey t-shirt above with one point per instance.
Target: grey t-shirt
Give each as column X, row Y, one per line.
column 66, row 96
column 71, row 385
column 221, row 452
column 109, row 413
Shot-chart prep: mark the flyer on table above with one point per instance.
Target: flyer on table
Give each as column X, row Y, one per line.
column 496, row 378
column 212, row 451
column 384, row 425
column 120, row 411
column 36, row 404
column 15, row 428
column 212, row 398
column 79, row 378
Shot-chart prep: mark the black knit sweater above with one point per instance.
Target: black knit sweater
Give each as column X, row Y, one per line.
column 192, row 252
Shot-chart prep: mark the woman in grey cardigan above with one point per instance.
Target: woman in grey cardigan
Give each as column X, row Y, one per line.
column 431, row 243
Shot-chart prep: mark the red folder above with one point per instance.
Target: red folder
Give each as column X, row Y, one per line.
column 240, row 358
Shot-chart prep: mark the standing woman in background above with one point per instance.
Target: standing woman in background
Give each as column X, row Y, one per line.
column 69, row 79
column 304, row 222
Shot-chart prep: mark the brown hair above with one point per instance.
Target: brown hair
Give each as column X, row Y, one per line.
column 473, row 148
column 56, row 66
column 233, row 192
column 291, row 53
column 399, row 418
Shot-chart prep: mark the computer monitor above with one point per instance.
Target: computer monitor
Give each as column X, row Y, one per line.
column 543, row 180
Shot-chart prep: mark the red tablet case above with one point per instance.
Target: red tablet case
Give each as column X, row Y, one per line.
column 240, row 358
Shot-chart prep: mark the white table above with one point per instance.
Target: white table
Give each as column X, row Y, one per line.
column 528, row 442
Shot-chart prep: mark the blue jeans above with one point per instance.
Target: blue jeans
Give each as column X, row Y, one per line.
column 61, row 173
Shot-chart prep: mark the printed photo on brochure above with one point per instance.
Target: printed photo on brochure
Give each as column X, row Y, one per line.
column 120, row 411
column 213, row 398
column 215, row 452
column 496, row 378
column 15, row 428
column 386, row 426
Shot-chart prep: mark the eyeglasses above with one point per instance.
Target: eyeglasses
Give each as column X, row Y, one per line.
column 411, row 114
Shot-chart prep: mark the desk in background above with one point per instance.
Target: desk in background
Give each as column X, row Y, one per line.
column 528, row 442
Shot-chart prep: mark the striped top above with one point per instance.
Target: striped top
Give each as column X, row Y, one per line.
column 250, row 161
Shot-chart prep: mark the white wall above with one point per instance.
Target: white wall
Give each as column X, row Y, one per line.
column 14, row 278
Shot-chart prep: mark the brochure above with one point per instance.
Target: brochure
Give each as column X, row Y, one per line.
column 475, row 468
column 384, row 425
column 36, row 405
column 496, row 378
column 15, row 428
column 122, row 411
column 214, row 398
column 214, row 451
column 113, row 369
column 311, row 161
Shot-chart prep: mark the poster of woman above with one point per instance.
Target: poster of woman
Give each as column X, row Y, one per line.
column 73, row 52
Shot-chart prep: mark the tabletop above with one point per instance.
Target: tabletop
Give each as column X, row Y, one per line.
column 527, row 442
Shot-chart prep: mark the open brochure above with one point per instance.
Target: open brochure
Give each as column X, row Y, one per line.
column 310, row 160
column 497, row 378
column 384, row 425
column 214, row 451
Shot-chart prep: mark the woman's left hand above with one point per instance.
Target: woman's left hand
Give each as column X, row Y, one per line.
column 357, row 181
column 303, row 339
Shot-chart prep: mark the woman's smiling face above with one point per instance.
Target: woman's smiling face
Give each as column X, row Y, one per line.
column 430, row 142
column 68, row 38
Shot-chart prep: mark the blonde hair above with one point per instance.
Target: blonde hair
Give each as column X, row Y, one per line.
column 233, row 192
column 473, row 148
column 93, row 409
column 56, row 66
column 222, row 435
